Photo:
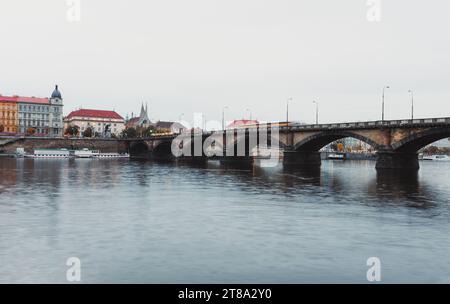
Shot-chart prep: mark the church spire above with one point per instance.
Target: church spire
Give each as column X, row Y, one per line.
column 143, row 112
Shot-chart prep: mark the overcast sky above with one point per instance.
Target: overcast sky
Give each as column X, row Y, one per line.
column 191, row 56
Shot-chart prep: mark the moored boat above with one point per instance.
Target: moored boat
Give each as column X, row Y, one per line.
column 436, row 157
column 85, row 153
column 336, row 156
column 65, row 153
column 49, row 153
column 111, row 155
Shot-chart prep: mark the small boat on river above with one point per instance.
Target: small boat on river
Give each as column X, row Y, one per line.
column 49, row 153
column 65, row 153
column 436, row 157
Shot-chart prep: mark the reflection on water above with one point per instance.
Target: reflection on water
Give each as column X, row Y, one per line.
column 136, row 221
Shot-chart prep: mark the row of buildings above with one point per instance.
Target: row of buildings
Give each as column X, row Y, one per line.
column 32, row 114
column 44, row 117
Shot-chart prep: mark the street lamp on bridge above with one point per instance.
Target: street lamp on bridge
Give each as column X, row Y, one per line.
column 382, row 105
column 223, row 117
column 412, row 103
column 317, row 111
column 250, row 112
column 287, row 109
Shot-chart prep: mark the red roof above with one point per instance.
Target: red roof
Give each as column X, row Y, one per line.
column 24, row 99
column 94, row 114
column 132, row 122
column 242, row 122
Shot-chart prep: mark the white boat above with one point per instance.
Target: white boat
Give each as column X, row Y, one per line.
column 85, row 153
column 111, row 155
column 64, row 153
column 436, row 157
column 20, row 152
column 336, row 156
column 49, row 153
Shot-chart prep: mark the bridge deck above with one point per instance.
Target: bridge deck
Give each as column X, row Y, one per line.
column 297, row 127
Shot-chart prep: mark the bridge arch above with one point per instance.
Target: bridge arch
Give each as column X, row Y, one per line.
column 242, row 138
column 138, row 149
column 419, row 140
column 319, row 140
column 162, row 149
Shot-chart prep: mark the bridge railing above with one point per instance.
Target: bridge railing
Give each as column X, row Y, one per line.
column 372, row 124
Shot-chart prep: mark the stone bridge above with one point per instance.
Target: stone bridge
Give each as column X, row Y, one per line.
column 397, row 142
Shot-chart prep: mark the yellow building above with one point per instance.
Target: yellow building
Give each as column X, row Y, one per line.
column 8, row 115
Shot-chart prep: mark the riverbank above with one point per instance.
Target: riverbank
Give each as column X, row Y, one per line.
column 107, row 145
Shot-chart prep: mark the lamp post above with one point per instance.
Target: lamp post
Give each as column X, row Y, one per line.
column 382, row 105
column 223, row 117
column 412, row 104
column 287, row 109
column 317, row 112
column 250, row 112
column 179, row 121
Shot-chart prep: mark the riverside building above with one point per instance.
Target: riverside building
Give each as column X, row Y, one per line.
column 32, row 115
column 8, row 115
column 101, row 122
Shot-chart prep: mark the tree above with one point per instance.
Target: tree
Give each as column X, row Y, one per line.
column 431, row 150
column 129, row 133
column 148, row 131
column 72, row 131
column 88, row 132
column 333, row 146
column 31, row 131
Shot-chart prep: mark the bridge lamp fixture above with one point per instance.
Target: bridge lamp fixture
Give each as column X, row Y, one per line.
column 382, row 103
column 223, row 117
column 412, row 103
column 204, row 122
column 287, row 109
column 317, row 111
column 250, row 112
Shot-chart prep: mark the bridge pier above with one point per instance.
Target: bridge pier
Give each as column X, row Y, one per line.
column 397, row 160
column 302, row 158
column 192, row 159
column 236, row 160
column 160, row 157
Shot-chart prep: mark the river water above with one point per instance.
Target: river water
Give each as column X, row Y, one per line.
column 143, row 222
